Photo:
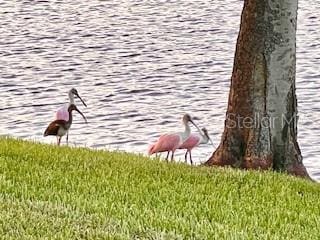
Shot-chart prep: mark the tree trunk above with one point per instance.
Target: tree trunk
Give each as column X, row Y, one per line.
column 261, row 121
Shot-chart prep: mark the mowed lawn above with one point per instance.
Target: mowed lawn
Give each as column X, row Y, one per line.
column 50, row 192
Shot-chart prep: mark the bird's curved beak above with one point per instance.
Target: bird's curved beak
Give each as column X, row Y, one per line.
column 85, row 119
column 195, row 125
column 210, row 141
column 81, row 100
column 207, row 135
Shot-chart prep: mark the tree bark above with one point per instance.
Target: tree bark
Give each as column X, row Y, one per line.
column 261, row 121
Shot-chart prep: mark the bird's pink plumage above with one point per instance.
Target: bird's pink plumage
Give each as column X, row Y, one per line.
column 62, row 113
column 191, row 142
column 166, row 142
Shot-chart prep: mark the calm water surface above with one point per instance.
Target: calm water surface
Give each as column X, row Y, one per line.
column 139, row 65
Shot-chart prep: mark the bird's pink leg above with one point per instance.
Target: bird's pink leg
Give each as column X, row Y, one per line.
column 190, row 158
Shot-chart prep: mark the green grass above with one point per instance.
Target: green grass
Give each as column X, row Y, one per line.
column 49, row 192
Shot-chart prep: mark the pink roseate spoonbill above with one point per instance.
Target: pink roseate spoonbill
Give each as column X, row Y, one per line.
column 194, row 140
column 62, row 113
column 60, row 127
column 171, row 141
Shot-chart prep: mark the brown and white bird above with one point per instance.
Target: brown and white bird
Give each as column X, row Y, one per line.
column 62, row 113
column 60, row 127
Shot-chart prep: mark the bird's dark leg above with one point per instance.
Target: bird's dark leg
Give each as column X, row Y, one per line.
column 167, row 156
column 172, row 156
column 67, row 137
column 185, row 157
column 59, row 141
column 190, row 158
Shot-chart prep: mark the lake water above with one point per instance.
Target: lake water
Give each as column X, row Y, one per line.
column 139, row 65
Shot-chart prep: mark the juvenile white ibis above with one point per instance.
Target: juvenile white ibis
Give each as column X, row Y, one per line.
column 171, row 141
column 194, row 140
column 60, row 127
column 62, row 113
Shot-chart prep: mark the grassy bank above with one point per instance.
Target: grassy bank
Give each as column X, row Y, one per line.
column 49, row 192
